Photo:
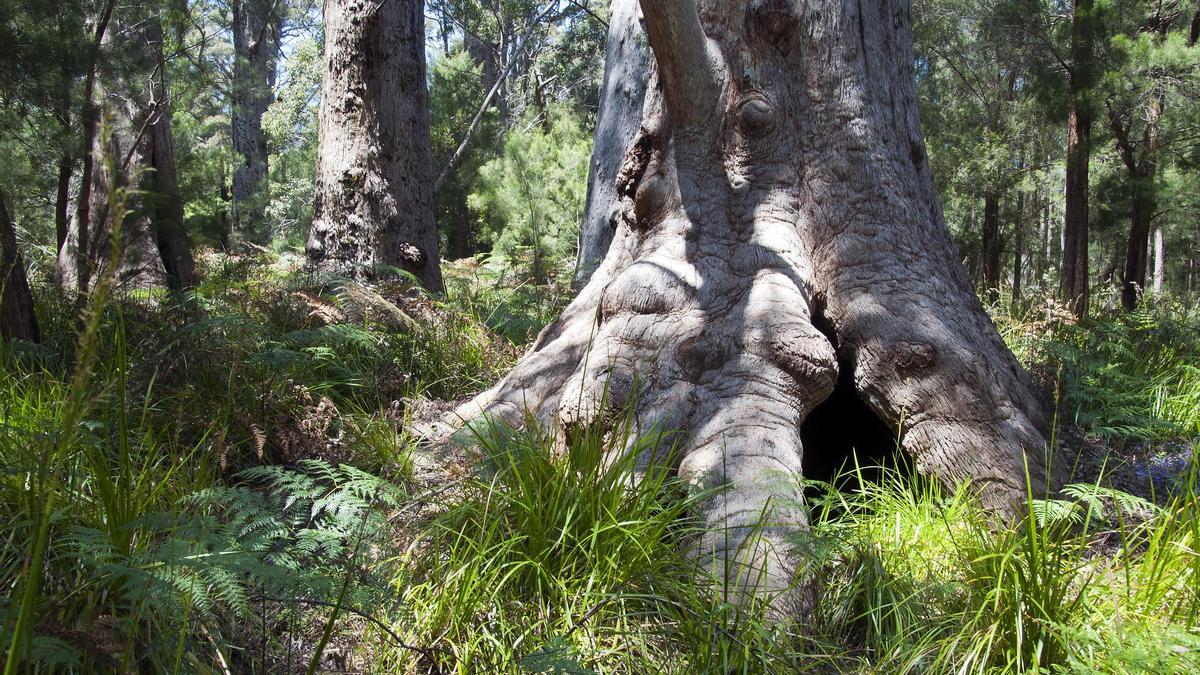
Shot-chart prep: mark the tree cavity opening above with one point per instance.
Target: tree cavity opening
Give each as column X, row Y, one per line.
column 843, row 433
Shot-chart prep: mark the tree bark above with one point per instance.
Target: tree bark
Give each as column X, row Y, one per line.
column 374, row 193
column 17, row 318
column 620, row 117
column 257, row 27
column 135, row 154
column 778, row 226
column 1160, row 267
column 1018, row 246
column 991, row 244
column 73, row 266
column 1079, row 150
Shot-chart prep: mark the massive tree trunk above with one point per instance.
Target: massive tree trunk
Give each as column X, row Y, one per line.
column 621, row 99
column 17, row 318
column 136, row 154
column 1079, row 153
column 257, row 27
column 374, row 194
column 779, row 227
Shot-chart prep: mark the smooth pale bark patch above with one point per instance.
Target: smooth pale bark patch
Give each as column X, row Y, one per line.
column 620, row 118
column 779, row 233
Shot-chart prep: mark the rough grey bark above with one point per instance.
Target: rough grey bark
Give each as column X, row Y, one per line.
column 779, row 225
column 374, row 193
column 618, row 121
column 136, row 152
column 257, row 28
column 17, row 318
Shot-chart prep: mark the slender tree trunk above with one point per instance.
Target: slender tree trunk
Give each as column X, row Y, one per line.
column 991, row 249
column 62, row 198
column 374, row 193
column 1133, row 281
column 1045, row 245
column 1144, row 202
column 1160, row 268
column 779, row 226
column 66, row 161
column 17, row 318
column 1079, row 151
column 1018, row 248
column 1075, row 219
column 620, row 117
column 170, row 236
column 257, row 26
column 74, row 267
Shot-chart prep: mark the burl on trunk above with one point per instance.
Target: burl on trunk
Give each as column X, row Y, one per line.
column 779, row 226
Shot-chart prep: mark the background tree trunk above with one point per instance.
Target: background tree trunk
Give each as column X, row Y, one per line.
column 1143, row 172
column 779, row 227
column 136, row 152
column 1079, row 152
column 1159, row 263
column 257, row 27
column 17, row 318
column 991, row 245
column 621, row 98
column 73, row 267
column 374, row 193
column 1018, row 247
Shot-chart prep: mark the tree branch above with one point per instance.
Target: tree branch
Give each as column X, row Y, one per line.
column 689, row 74
column 1124, row 147
column 457, row 157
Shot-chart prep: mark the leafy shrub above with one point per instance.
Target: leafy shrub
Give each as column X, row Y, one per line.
column 532, row 196
column 1125, row 376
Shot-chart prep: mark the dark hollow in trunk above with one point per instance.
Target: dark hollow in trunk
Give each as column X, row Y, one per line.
column 843, row 433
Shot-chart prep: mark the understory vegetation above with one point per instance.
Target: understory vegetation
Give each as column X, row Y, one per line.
column 227, row 481
column 233, row 471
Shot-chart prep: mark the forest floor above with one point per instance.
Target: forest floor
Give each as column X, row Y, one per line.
column 235, row 486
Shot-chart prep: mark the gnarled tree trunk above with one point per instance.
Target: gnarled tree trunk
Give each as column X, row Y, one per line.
column 17, row 318
column 779, row 226
column 257, row 28
column 620, row 117
column 374, row 193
